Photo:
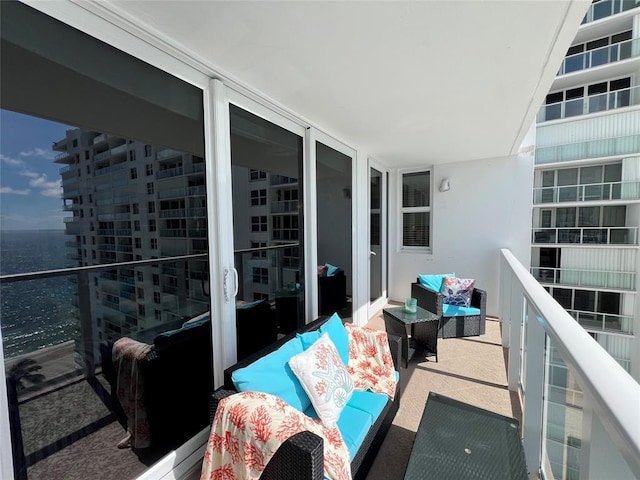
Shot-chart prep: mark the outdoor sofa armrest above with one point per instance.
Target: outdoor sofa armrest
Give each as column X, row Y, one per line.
column 216, row 397
column 427, row 298
column 395, row 346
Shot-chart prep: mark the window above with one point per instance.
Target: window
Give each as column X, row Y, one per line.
column 155, row 279
column 134, row 174
column 157, row 314
column 259, row 197
column 147, row 150
column 152, row 225
column 138, row 242
column 156, row 297
column 259, row 224
column 151, row 207
column 149, row 169
column 132, row 155
column 150, row 188
column 416, row 210
column 153, row 243
column 136, row 225
column 136, row 208
column 257, row 175
column 140, row 276
column 260, row 275
column 261, row 253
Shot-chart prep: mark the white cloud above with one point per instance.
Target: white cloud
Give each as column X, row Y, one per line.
column 39, row 152
column 13, row 162
column 41, row 182
column 26, row 191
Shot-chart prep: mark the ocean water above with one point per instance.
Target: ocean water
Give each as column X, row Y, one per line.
column 35, row 314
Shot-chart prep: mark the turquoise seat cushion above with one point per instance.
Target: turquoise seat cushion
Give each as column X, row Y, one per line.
column 369, row 402
column 272, row 374
column 354, row 424
column 456, row 311
column 337, row 333
column 434, row 282
column 246, row 306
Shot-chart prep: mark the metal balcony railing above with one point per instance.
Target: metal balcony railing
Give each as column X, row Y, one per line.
column 586, row 235
column 607, row 8
column 110, row 169
column 587, row 192
column 580, row 406
column 586, row 278
column 601, row 102
column 605, row 322
column 600, row 56
column 285, row 206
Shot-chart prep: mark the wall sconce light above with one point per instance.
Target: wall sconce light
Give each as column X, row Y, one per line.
column 444, row 185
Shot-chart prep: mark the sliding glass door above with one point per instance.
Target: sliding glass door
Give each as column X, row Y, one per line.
column 377, row 239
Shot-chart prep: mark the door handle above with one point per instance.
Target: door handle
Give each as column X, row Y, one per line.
column 235, row 282
column 372, row 253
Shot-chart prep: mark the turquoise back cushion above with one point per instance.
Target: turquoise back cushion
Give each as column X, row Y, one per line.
column 434, row 282
column 331, row 269
column 337, row 333
column 272, row 374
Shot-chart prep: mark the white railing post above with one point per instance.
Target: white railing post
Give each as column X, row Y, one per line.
column 533, row 398
column 505, row 301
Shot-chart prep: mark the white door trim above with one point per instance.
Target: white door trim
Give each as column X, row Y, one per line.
column 375, row 306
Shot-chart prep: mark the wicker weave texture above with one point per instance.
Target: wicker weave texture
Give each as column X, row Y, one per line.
column 456, row 440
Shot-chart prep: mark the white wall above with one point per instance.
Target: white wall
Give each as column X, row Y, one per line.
column 487, row 208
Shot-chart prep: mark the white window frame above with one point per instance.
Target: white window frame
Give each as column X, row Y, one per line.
column 402, row 210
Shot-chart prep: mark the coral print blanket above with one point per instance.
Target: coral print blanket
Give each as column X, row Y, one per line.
column 370, row 362
column 249, row 427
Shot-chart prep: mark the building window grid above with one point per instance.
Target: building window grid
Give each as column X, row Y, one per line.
column 260, row 275
column 259, row 223
column 259, row 197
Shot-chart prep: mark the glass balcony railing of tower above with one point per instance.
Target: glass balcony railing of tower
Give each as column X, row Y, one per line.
column 590, row 104
column 585, row 278
column 574, row 422
column 53, row 354
column 284, row 206
column 606, row 147
column 586, row 193
column 600, row 56
column 607, row 8
column 586, row 235
column 265, row 271
column 605, row 322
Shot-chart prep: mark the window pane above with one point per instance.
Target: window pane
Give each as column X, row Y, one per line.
column 416, row 189
column 591, row 174
column 568, row 176
column 613, row 173
column 585, row 300
column 566, row 217
column 415, row 229
column 122, row 147
column 563, row 296
column 548, row 178
column 589, row 217
column 614, row 216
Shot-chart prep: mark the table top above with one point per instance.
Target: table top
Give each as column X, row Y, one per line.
column 400, row 314
column 456, row 440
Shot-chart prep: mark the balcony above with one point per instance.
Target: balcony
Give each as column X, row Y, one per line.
column 182, row 192
column 585, row 236
column 600, row 56
column 592, row 192
column 586, row 278
column 607, row 147
column 103, row 137
column 110, row 169
column 591, row 104
column 173, row 232
column 285, row 206
column 607, row 8
column 282, row 180
column 173, row 213
column 603, row 322
column 167, row 153
column 68, row 168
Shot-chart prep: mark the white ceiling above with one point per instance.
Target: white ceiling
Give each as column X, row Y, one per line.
column 410, row 83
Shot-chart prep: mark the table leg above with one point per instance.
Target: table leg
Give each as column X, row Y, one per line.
column 396, row 327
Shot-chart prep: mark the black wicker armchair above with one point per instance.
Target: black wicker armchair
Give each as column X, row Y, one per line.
column 456, row 326
column 301, row 457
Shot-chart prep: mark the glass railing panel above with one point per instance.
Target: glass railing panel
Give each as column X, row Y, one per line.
column 562, row 419
column 601, row 236
column 591, row 192
column 56, row 332
column 599, row 56
column 591, row 149
column 585, row 278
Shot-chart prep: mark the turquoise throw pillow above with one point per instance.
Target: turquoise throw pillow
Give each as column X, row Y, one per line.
column 434, row 282
column 338, row 335
column 309, row 338
column 272, row 374
column 331, row 269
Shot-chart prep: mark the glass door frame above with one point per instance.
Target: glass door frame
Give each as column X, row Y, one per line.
column 376, row 305
column 311, row 226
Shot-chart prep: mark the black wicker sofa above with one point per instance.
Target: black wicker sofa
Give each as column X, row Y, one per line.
column 301, row 456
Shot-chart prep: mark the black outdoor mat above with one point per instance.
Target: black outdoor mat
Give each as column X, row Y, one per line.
column 459, row 441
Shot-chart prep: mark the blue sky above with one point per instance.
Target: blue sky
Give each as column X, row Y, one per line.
column 29, row 179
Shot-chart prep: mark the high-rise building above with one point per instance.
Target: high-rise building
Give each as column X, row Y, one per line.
column 133, row 201
column 586, row 209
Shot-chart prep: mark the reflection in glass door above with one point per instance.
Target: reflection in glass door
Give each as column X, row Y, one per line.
column 376, row 238
column 334, row 204
column 266, row 171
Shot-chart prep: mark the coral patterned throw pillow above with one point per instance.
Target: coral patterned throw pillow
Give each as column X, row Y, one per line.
column 457, row 291
column 324, row 377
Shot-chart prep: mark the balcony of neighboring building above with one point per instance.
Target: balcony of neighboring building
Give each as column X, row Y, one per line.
column 585, row 236
column 599, row 52
column 601, row 9
column 623, row 281
column 606, row 135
